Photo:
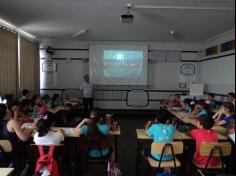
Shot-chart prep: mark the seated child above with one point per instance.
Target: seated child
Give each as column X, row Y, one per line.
column 231, row 129
column 96, row 129
column 225, row 114
column 204, row 134
column 161, row 131
column 210, row 101
column 189, row 105
column 175, row 101
column 231, row 97
column 45, row 135
column 200, row 109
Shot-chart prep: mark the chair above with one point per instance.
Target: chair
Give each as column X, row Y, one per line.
column 214, row 149
column 58, row 154
column 161, row 148
column 5, row 148
column 85, row 147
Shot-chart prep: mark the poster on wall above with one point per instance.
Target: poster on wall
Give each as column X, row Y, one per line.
column 187, row 75
column 49, row 67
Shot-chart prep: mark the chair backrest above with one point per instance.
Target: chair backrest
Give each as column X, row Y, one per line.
column 105, row 143
column 216, row 148
column 158, row 148
column 5, row 146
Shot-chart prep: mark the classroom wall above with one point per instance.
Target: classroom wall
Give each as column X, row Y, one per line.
column 218, row 74
column 165, row 76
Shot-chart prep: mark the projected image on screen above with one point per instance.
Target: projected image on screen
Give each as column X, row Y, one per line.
column 118, row 63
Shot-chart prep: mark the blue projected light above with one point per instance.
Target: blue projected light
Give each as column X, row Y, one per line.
column 121, row 64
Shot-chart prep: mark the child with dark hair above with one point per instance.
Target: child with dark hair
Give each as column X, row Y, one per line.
column 211, row 101
column 201, row 108
column 225, row 114
column 175, row 101
column 204, row 134
column 35, row 104
column 231, row 97
column 161, row 131
column 189, row 105
column 10, row 129
column 55, row 101
column 25, row 94
column 96, row 130
column 231, row 129
column 45, row 134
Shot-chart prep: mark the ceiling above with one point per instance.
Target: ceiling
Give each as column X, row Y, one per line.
column 60, row 19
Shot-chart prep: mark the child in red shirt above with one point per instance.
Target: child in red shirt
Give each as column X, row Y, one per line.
column 175, row 101
column 204, row 134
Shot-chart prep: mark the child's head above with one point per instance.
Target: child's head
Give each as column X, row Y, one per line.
column 15, row 105
column 36, row 100
column 177, row 96
column 228, row 108
column 3, row 111
column 205, row 122
column 44, row 124
column 25, row 92
column 95, row 115
column 46, row 99
column 231, row 96
column 210, row 96
column 25, row 106
column 189, row 103
column 201, row 104
column 55, row 96
column 231, row 126
column 162, row 117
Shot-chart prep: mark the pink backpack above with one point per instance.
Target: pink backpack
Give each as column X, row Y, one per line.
column 113, row 169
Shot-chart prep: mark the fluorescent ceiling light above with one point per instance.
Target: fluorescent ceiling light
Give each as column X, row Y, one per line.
column 13, row 27
column 230, row 1
column 183, row 7
column 83, row 31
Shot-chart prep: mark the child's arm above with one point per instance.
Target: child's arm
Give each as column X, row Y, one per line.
column 82, row 123
column 220, row 122
column 147, row 126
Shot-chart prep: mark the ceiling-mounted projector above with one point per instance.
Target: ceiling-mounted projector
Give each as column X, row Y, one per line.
column 126, row 18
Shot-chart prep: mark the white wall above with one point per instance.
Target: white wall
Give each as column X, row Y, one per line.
column 69, row 75
column 219, row 74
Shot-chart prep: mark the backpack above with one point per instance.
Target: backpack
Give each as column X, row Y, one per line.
column 113, row 169
column 46, row 164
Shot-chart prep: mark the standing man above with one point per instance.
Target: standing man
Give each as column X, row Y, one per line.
column 87, row 93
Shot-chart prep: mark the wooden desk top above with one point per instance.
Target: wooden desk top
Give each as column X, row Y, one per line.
column 141, row 135
column 187, row 118
column 6, row 171
column 178, row 136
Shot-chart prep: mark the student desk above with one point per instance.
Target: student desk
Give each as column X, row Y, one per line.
column 187, row 118
column 141, row 136
column 6, row 171
column 71, row 132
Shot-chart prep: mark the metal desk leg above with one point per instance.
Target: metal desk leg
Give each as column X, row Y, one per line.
column 116, row 149
column 138, row 162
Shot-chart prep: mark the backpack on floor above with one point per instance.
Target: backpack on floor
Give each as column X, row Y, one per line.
column 113, row 169
column 46, row 164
